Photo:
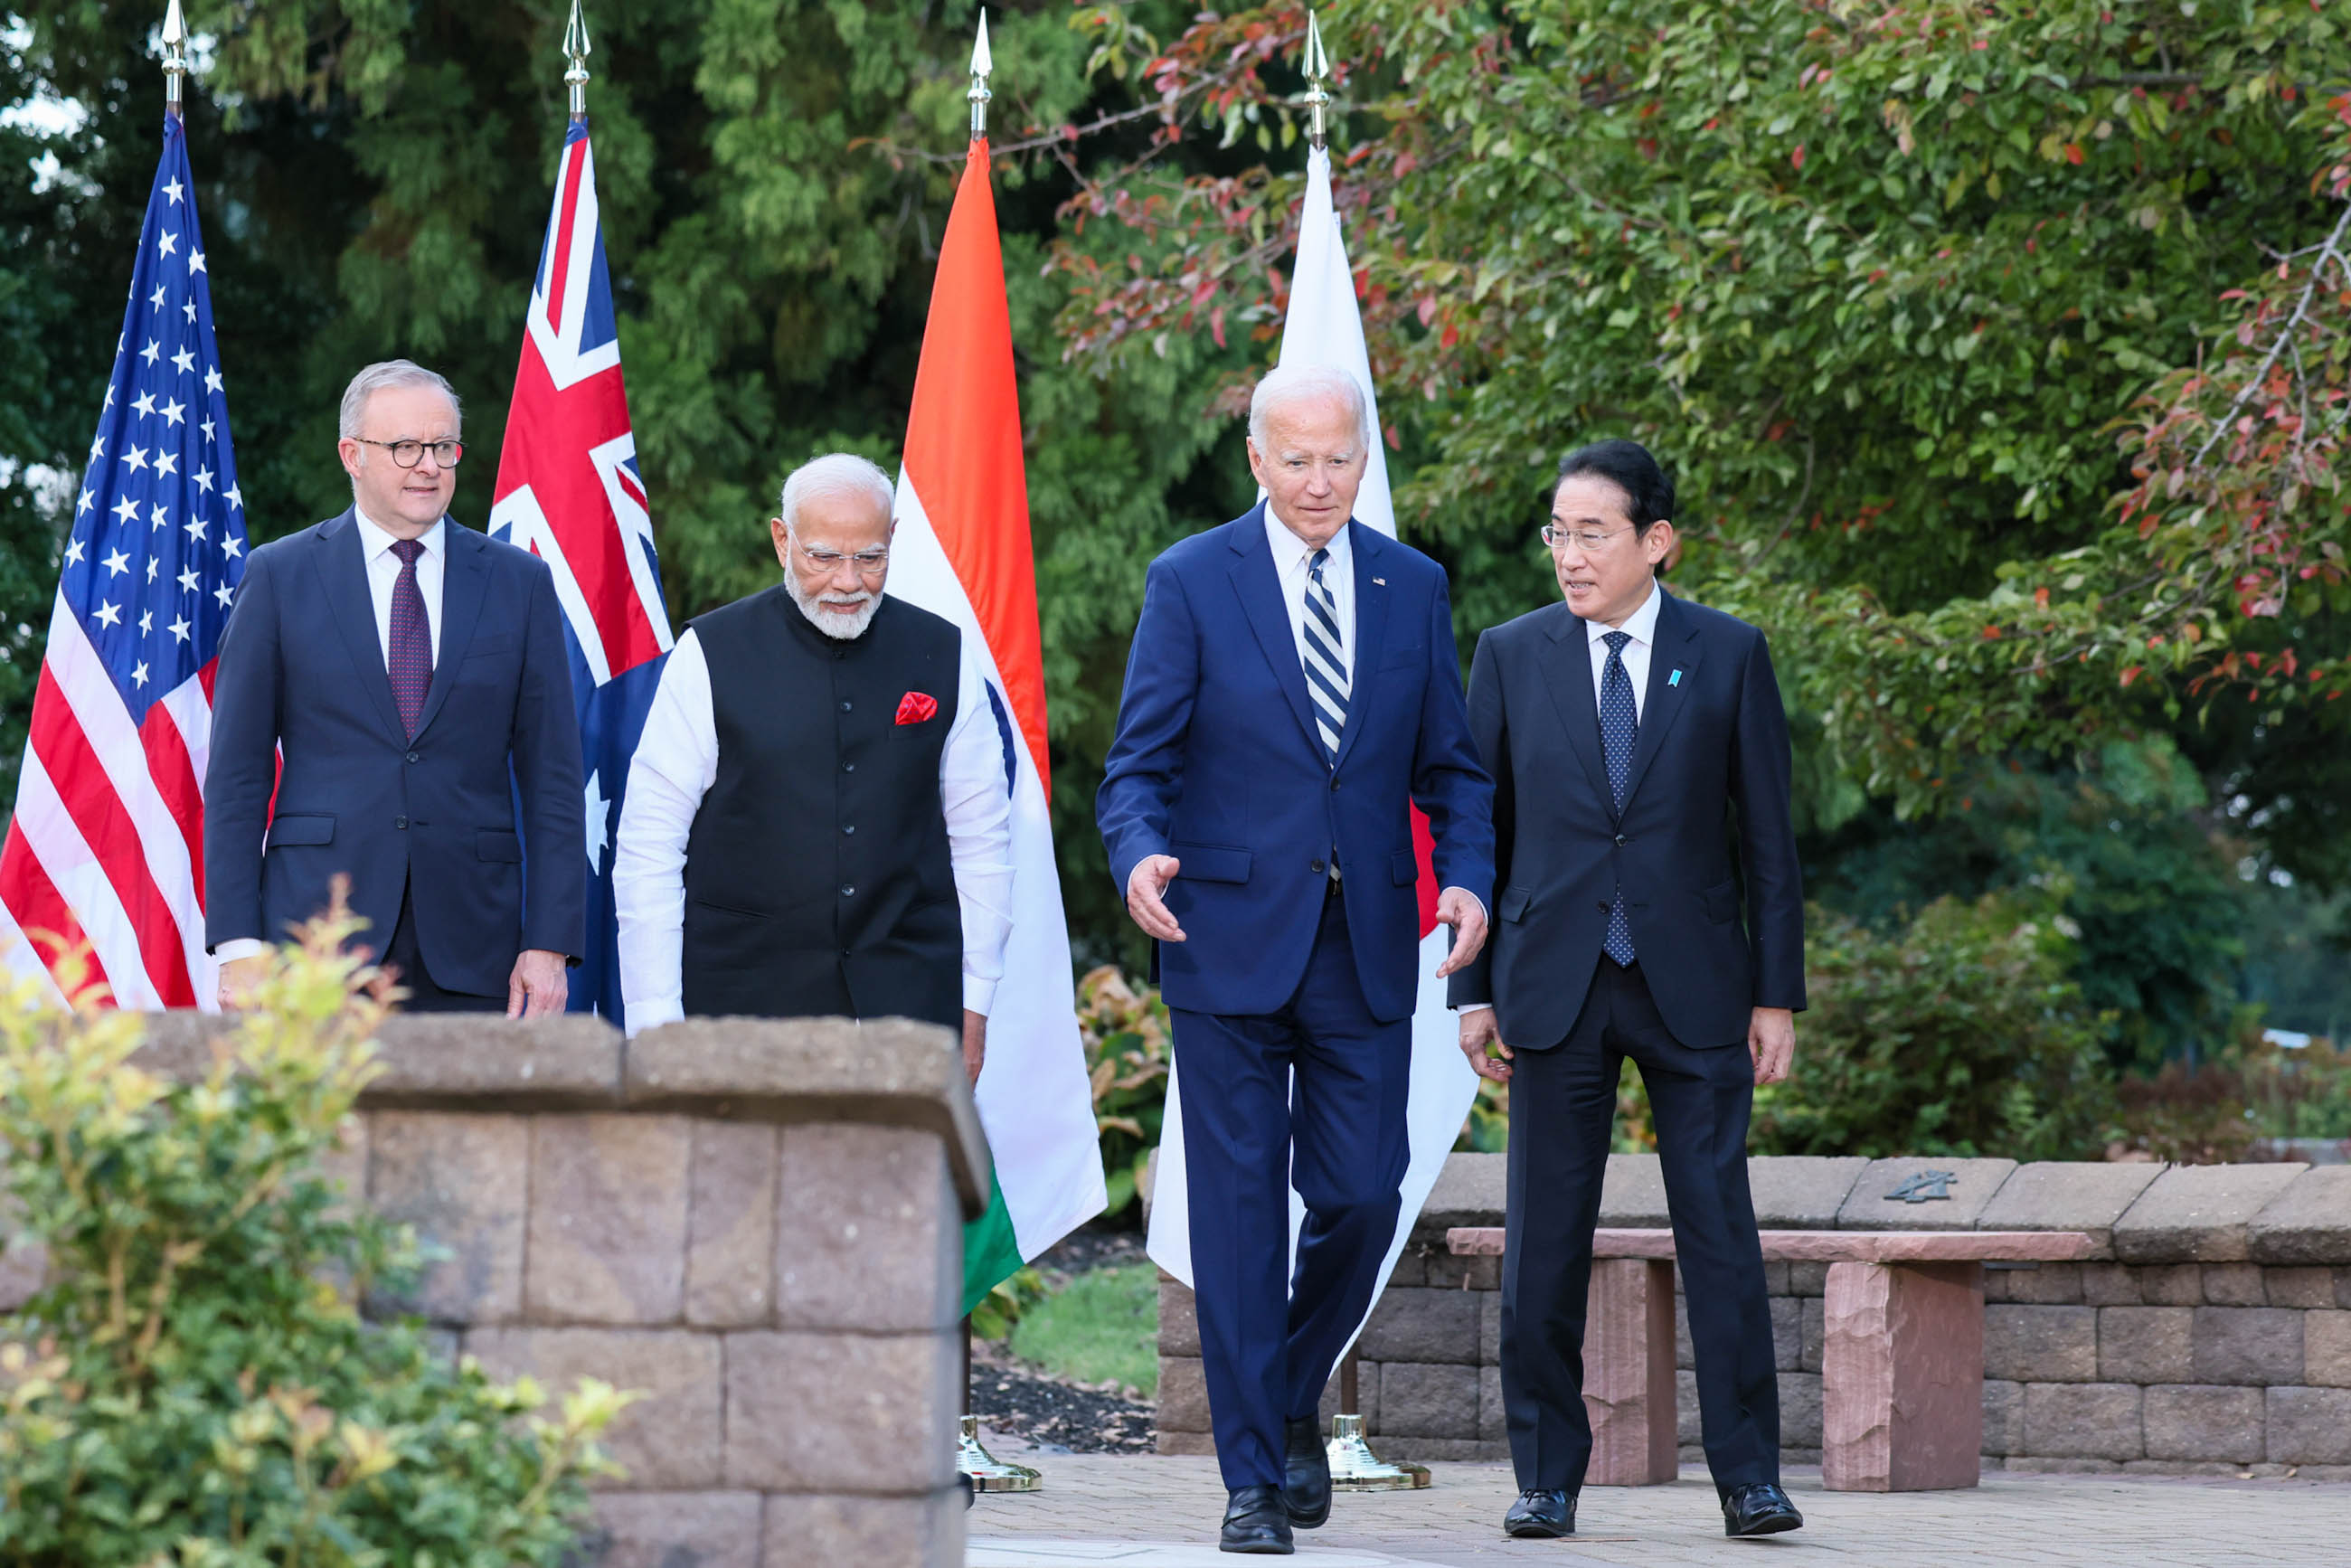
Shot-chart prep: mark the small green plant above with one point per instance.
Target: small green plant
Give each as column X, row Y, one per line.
column 193, row 1388
column 1000, row 1309
column 1959, row 1033
column 1126, row 1037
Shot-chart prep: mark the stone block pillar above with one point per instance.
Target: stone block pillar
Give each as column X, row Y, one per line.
column 1902, row 1376
column 1628, row 1372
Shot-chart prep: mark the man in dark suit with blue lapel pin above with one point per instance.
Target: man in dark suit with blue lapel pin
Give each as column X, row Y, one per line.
column 1626, row 730
column 1294, row 689
column 413, row 674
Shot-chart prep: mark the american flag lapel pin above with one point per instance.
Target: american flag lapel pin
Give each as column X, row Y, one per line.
column 1379, row 582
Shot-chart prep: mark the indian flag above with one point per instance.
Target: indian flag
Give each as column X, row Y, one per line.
column 1324, row 326
column 962, row 550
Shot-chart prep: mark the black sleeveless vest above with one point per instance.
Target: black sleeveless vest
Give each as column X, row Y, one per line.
column 818, row 880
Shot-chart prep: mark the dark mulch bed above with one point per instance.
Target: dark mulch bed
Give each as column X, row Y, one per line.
column 1011, row 1397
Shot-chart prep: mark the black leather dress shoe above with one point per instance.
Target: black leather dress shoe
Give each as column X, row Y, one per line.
column 1541, row 1515
column 1255, row 1521
column 1306, row 1473
column 1759, row 1508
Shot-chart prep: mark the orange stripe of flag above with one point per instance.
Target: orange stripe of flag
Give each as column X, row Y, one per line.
column 963, row 449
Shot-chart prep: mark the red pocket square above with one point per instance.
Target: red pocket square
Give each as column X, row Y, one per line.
column 916, row 706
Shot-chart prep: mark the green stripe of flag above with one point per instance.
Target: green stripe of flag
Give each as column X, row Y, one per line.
column 991, row 1252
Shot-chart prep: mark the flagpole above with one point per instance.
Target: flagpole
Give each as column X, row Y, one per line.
column 175, row 57
column 576, row 47
column 1354, row 1466
column 983, row 1471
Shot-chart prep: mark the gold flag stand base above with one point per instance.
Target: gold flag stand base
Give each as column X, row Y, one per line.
column 1354, row 1467
column 989, row 1473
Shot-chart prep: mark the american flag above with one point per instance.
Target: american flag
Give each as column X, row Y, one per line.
column 105, row 852
column 570, row 492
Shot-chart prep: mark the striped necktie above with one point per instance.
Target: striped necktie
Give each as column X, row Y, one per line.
column 1326, row 663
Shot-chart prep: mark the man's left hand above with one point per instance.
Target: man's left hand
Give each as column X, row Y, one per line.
column 1457, row 907
column 539, row 985
column 1771, row 1041
column 974, row 1043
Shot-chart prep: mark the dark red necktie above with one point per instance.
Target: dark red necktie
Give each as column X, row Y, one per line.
column 411, row 663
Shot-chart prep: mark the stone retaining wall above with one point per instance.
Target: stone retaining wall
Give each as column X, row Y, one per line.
column 756, row 1224
column 2210, row 1332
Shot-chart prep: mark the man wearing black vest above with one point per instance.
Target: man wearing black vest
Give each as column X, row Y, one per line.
column 817, row 820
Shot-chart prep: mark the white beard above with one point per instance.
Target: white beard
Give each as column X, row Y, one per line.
column 844, row 628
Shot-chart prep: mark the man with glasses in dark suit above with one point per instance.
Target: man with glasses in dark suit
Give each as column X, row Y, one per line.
column 411, row 674
column 1628, row 731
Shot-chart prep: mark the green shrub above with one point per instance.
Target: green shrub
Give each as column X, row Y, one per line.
column 193, row 1387
column 1960, row 1033
column 1126, row 1038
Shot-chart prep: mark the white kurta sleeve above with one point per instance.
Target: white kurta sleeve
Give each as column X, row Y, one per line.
column 975, row 792
column 675, row 764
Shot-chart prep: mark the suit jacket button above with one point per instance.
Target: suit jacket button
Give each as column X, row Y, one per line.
column 848, row 890
column 1314, row 866
column 1601, row 905
column 851, row 828
column 844, row 707
column 1334, row 783
column 413, row 756
column 1621, row 840
column 401, row 822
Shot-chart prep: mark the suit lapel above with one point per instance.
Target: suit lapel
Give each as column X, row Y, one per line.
column 342, row 583
column 1567, row 676
column 1261, row 595
column 465, row 575
column 1677, row 648
column 1364, row 548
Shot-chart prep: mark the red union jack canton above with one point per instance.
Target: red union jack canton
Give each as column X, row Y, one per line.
column 105, row 850
column 568, row 490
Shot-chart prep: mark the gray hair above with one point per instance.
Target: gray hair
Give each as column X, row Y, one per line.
column 1286, row 384
column 384, row 374
column 835, row 474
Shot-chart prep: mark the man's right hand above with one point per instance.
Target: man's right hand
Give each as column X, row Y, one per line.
column 1478, row 1031
column 237, row 979
column 1146, row 887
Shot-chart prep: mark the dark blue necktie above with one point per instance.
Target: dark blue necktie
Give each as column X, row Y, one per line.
column 1620, row 727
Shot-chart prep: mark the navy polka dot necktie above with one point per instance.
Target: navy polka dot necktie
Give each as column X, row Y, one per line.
column 409, row 663
column 1620, row 727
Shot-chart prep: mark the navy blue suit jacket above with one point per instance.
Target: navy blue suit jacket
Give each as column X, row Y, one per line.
column 1713, row 745
column 301, row 668
column 1216, row 763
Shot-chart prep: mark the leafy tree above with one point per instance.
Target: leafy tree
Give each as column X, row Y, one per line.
column 1918, row 298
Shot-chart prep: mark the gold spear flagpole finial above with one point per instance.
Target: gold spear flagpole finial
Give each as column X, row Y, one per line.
column 1317, row 65
column 175, row 57
column 576, row 46
column 982, row 68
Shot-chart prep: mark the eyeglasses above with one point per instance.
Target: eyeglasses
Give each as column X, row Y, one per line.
column 409, row 453
column 866, row 561
column 1559, row 538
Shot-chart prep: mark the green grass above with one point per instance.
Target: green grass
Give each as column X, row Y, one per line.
column 1102, row 1327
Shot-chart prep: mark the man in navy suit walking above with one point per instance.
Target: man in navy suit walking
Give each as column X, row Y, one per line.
column 412, row 674
column 1626, row 730
column 1293, row 689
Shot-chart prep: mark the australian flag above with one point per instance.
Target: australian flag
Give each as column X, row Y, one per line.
column 102, row 876
column 570, row 492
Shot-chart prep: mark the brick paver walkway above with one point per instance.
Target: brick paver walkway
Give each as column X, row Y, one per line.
column 1162, row 1513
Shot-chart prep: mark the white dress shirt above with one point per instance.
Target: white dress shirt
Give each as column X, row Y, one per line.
column 1292, row 558
column 1642, row 626
column 384, row 572
column 677, row 762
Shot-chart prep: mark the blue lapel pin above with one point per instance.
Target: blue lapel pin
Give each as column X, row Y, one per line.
column 1674, row 679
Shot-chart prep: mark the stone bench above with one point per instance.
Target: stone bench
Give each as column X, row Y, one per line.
column 1902, row 1365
